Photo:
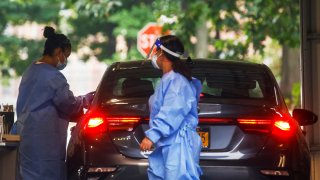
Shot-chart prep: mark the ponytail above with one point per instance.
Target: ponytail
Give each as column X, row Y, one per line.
column 181, row 67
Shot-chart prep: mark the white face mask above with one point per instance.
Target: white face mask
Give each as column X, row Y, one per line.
column 154, row 61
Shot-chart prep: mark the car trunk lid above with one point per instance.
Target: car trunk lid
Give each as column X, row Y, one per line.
column 224, row 128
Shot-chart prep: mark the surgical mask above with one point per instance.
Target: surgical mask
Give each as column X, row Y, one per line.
column 60, row 66
column 154, row 61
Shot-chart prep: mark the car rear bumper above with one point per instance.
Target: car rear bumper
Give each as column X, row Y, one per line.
column 251, row 168
column 122, row 173
column 209, row 172
column 236, row 172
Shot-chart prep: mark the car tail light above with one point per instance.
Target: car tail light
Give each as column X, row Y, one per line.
column 122, row 123
column 278, row 126
column 209, row 120
column 96, row 123
column 255, row 125
column 282, row 128
column 282, row 125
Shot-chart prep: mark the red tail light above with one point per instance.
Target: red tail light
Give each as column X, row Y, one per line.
column 100, row 123
column 254, row 121
column 282, row 128
column 255, row 125
column 94, row 122
column 122, row 123
column 208, row 120
column 282, row 125
column 279, row 127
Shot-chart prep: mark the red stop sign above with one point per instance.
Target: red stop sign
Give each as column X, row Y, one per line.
column 147, row 36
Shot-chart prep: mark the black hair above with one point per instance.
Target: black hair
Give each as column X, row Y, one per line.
column 174, row 44
column 54, row 41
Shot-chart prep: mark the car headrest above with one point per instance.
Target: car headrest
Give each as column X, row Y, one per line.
column 226, row 81
column 135, row 87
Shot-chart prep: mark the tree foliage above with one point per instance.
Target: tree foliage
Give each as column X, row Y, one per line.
column 276, row 19
column 233, row 26
column 11, row 47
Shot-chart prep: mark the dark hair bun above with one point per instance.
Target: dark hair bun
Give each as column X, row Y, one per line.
column 48, row 32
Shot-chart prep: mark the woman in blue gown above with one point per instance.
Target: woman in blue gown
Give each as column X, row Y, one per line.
column 173, row 117
column 44, row 107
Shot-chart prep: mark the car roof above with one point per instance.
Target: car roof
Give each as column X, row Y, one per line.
column 197, row 63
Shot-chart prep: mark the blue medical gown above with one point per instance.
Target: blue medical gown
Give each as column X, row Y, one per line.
column 43, row 107
column 173, row 122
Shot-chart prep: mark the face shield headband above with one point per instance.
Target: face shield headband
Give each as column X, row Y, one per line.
column 158, row 45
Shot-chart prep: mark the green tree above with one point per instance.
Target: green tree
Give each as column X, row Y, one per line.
column 251, row 21
column 280, row 21
column 11, row 47
column 201, row 25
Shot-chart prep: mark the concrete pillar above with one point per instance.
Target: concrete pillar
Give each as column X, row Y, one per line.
column 310, row 69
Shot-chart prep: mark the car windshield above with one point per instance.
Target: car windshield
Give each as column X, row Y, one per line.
column 223, row 83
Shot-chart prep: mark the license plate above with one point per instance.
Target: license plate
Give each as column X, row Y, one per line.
column 204, row 135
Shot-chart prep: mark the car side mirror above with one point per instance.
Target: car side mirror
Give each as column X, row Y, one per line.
column 304, row 117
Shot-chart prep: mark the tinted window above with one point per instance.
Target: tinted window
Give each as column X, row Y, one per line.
column 135, row 86
column 219, row 83
column 130, row 83
column 234, row 83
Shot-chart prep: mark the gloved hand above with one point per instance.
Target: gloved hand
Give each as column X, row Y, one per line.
column 87, row 99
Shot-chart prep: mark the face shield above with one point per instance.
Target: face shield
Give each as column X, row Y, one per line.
column 157, row 44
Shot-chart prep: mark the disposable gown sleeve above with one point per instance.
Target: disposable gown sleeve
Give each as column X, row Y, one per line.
column 176, row 106
column 64, row 99
column 197, row 84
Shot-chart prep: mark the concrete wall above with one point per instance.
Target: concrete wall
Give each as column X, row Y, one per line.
column 310, row 66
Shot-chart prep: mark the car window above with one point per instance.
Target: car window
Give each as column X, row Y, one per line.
column 135, row 86
column 256, row 92
column 236, row 83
